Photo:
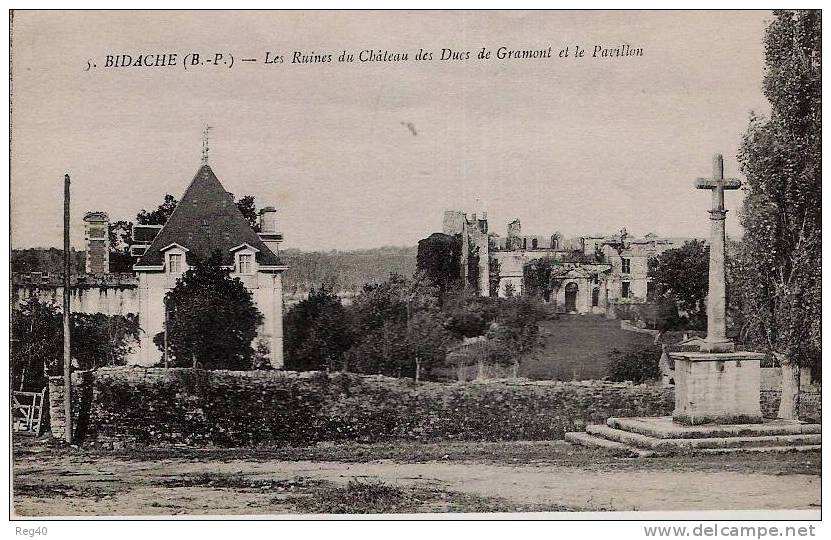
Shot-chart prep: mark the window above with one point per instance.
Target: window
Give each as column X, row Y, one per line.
column 626, row 266
column 245, row 263
column 595, row 297
column 624, row 289
column 534, row 243
column 175, row 263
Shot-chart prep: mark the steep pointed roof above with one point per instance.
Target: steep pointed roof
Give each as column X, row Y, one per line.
column 206, row 219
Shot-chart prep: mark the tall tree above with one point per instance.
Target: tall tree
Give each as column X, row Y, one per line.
column 779, row 274
column 439, row 259
column 317, row 332
column 680, row 278
column 212, row 318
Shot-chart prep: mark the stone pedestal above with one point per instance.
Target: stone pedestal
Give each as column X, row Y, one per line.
column 57, row 415
column 718, row 388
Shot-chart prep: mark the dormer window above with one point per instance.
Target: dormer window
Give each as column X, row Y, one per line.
column 245, row 262
column 246, row 265
column 175, row 263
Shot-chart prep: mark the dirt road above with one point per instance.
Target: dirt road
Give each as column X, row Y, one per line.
column 80, row 484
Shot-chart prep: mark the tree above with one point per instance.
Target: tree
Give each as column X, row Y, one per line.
column 439, row 259
column 778, row 275
column 212, row 319
column 121, row 238
column 537, row 275
column 680, row 277
column 398, row 327
column 467, row 314
column 383, row 350
column 517, row 332
column 317, row 332
column 103, row 340
column 493, row 274
column 248, row 209
column 427, row 341
column 160, row 215
column 36, row 344
column 380, row 303
column 37, row 341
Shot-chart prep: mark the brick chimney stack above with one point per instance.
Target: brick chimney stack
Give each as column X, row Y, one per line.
column 269, row 232
column 97, row 241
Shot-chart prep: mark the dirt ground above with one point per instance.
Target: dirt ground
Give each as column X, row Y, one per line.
column 402, row 477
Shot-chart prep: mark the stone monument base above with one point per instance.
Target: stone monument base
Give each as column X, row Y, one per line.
column 658, row 436
column 717, row 388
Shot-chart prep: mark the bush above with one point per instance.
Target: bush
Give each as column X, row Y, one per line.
column 636, row 365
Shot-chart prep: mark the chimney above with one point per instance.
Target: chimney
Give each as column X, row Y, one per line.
column 269, row 233
column 97, row 241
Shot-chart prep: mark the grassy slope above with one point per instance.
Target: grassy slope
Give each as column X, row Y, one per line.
column 577, row 348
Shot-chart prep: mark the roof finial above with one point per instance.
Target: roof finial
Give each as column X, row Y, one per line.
column 205, row 147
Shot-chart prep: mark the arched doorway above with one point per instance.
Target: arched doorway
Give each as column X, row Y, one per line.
column 571, row 297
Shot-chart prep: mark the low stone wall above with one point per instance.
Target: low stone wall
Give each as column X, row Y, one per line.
column 810, row 405
column 230, row 408
column 156, row 406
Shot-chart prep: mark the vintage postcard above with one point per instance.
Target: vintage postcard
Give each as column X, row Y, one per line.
column 539, row 264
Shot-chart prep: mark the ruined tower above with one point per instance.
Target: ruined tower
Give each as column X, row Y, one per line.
column 474, row 235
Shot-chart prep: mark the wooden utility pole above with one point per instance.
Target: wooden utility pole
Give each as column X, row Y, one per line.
column 67, row 360
column 164, row 300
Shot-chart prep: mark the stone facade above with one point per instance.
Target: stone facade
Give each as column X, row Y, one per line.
column 597, row 272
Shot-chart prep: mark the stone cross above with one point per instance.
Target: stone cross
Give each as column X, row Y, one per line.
column 716, row 340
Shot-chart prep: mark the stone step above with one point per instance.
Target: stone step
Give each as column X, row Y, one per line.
column 596, row 441
column 660, row 444
column 763, row 449
column 584, row 439
column 665, row 428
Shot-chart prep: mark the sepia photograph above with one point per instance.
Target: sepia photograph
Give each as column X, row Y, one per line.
column 416, row 264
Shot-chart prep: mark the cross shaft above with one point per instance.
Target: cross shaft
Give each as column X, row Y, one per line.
column 717, row 291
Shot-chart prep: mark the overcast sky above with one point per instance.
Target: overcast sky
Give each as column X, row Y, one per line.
column 578, row 146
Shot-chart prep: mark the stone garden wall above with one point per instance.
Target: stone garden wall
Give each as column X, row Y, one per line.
column 156, row 406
